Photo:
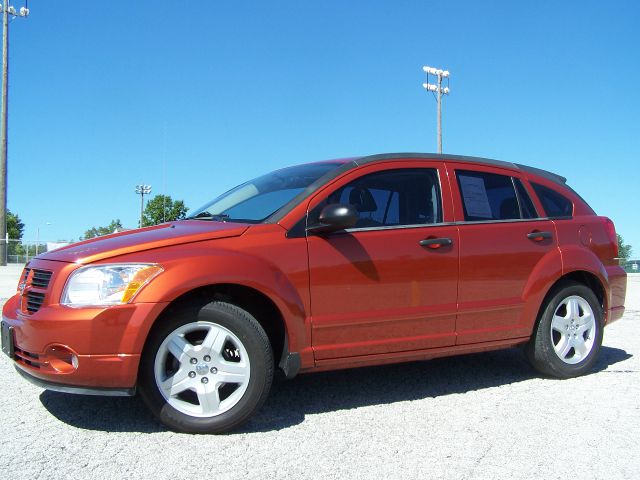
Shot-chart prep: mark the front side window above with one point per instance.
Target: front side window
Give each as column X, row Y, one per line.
column 391, row 198
column 258, row 199
column 488, row 196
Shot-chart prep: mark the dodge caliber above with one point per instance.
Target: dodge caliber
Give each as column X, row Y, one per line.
column 328, row 265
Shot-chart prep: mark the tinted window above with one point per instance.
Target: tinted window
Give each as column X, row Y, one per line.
column 555, row 205
column 261, row 205
column 526, row 205
column 390, row 198
column 487, row 196
column 256, row 200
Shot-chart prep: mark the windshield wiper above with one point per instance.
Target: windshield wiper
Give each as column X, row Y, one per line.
column 219, row 217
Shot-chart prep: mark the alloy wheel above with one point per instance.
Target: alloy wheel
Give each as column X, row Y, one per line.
column 573, row 329
column 202, row 369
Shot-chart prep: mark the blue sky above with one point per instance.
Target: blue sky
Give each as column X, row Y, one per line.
column 195, row 97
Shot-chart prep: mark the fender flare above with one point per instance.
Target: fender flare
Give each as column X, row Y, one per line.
column 554, row 266
column 226, row 267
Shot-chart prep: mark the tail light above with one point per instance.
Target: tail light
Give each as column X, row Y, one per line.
column 611, row 232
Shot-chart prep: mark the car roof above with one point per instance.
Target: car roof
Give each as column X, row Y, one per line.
column 462, row 158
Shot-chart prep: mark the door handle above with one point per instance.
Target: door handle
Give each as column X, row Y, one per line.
column 539, row 236
column 436, row 242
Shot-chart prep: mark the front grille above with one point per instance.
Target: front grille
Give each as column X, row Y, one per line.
column 41, row 278
column 34, row 301
column 34, row 278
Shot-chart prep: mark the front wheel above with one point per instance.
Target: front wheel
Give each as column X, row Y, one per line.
column 568, row 337
column 206, row 371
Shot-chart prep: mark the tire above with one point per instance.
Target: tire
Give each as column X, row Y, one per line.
column 206, row 370
column 567, row 339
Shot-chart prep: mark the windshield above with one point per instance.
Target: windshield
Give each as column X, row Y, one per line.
column 258, row 199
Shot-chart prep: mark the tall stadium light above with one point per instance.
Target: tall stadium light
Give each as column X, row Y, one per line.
column 439, row 91
column 38, row 237
column 142, row 190
column 7, row 10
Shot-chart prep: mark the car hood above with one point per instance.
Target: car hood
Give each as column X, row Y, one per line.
column 166, row 234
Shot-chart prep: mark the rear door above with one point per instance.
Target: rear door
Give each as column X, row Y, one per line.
column 390, row 283
column 502, row 242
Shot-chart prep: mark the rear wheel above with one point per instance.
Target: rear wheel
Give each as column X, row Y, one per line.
column 568, row 337
column 206, row 371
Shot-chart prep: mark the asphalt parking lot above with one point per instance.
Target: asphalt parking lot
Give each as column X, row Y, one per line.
column 478, row 416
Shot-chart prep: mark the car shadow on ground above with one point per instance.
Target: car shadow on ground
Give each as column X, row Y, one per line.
column 290, row 401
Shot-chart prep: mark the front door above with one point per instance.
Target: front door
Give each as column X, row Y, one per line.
column 390, row 283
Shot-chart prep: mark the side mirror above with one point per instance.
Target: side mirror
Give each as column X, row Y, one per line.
column 334, row 217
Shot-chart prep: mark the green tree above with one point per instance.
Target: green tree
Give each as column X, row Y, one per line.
column 624, row 251
column 15, row 229
column 99, row 231
column 162, row 208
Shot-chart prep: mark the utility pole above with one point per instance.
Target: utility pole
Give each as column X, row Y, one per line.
column 439, row 91
column 142, row 190
column 6, row 11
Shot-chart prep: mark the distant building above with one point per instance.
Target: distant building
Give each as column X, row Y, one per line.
column 632, row 266
column 54, row 245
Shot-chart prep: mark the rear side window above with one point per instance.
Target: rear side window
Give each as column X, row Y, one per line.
column 487, row 196
column 555, row 204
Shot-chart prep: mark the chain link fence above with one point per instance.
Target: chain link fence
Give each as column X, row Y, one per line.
column 21, row 251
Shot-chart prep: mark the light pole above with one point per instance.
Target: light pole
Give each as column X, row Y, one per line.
column 440, row 91
column 142, row 190
column 7, row 10
column 38, row 237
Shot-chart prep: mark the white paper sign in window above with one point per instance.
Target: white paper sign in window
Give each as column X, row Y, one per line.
column 475, row 197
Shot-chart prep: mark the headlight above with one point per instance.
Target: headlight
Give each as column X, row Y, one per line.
column 107, row 284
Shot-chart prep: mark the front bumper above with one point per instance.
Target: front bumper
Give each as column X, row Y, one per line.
column 58, row 387
column 89, row 348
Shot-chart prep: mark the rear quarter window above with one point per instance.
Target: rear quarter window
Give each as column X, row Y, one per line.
column 554, row 203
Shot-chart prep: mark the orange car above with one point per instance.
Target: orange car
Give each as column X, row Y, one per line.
column 329, row 265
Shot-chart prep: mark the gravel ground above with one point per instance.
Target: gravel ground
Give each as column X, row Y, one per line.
column 478, row 416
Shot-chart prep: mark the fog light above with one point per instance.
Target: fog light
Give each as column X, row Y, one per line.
column 61, row 358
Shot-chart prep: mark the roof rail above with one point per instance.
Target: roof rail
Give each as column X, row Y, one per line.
column 462, row 158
